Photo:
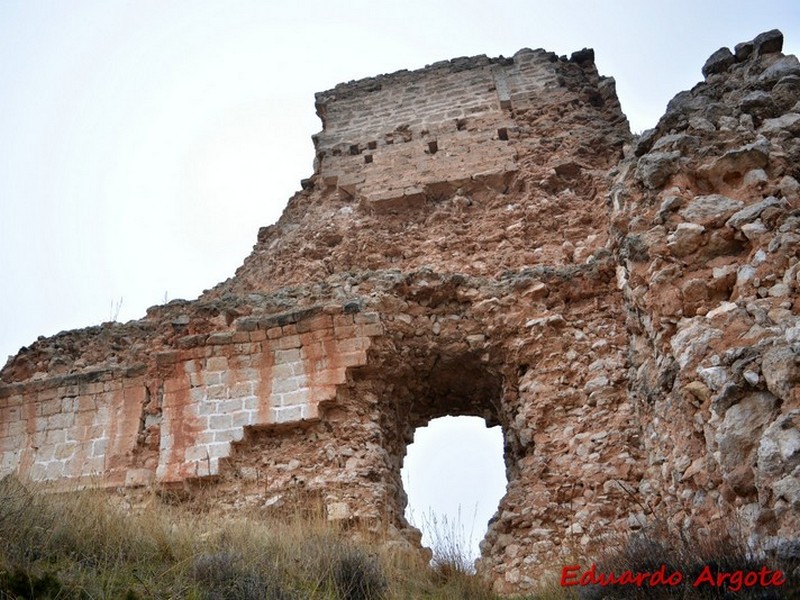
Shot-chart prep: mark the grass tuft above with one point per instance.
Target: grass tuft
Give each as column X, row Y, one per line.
column 87, row 545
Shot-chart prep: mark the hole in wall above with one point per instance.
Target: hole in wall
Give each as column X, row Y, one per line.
column 502, row 133
column 433, row 147
column 454, row 476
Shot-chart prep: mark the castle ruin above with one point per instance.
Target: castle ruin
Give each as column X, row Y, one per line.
column 482, row 237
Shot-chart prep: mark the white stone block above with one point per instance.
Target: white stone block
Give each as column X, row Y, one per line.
column 217, row 422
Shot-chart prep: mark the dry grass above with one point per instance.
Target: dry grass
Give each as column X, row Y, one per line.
column 82, row 545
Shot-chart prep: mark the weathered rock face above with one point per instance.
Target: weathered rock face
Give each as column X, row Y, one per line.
column 473, row 241
column 705, row 219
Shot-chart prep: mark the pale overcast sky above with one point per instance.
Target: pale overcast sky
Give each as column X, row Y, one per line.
column 143, row 143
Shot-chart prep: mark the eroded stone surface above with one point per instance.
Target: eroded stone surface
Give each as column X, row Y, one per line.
column 480, row 237
column 712, row 300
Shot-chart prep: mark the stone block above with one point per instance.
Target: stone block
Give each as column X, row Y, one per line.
column 241, row 389
column 47, row 452
column 220, row 421
column 216, row 339
column 59, row 421
column 366, row 318
column 234, row 434
column 288, row 341
column 315, row 323
column 204, row 468
column 252, row 403
column 342, row 321
column 284, row 370
column 295, row 398
column 258, row 336
column 352, row 359
column 197, row 452
column 373, row 329
column 175, row 385
column 243, row 418
column 38, row 472
column 54, row 470
column 352, row 345
column 88, row 403
column 287, row 385
column 217, row 363
column 99, row 447
column 345, row 332
column 56, row 436
column 287, row 415
column 164, row 359
column 219, row 450
column 287, row 356
column 229, row 406
column 217, row 392
column 8, row 462
column 331, row 377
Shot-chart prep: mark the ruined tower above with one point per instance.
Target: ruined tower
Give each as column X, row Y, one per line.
column 479, row 237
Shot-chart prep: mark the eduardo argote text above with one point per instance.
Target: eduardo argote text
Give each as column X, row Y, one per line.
column 733, row 581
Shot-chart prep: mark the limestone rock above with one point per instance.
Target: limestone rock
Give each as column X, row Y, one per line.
column 779, row 449
column 783, row 67
column 768, row 42
column 741, row 428
column 711, row 209
column 751, row 212
column 654, row 169
column 686, row 238
column 718, row 62
column 781, row 369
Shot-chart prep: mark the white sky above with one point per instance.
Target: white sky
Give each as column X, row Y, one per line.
column 143, row 143
column 454, row 476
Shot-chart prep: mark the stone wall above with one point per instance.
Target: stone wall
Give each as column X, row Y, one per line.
column 174, row 420
column 480, row 237
column 427, row 125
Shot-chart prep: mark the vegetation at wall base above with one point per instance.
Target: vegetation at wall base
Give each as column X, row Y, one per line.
column 90, row 544
column 97, row 545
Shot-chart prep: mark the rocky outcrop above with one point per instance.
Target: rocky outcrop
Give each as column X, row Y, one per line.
column 480, row 237
column 706, row 217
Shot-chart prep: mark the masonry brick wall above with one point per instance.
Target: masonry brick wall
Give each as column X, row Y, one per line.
column 428, row 125
column 176, row 420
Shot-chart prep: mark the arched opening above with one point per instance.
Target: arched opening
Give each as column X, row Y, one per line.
column 454, row 477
